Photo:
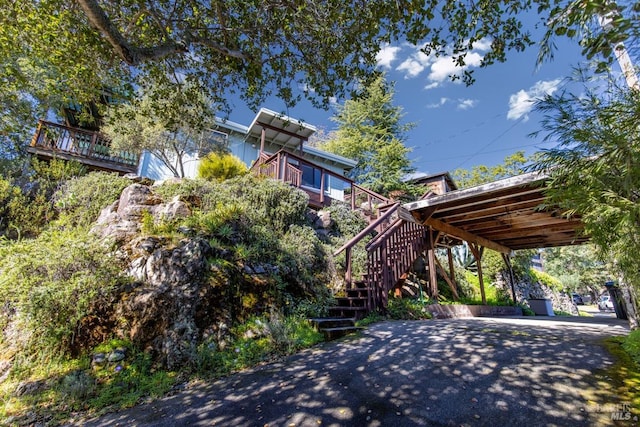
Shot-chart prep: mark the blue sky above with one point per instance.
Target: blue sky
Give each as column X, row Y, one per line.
column 460, row 126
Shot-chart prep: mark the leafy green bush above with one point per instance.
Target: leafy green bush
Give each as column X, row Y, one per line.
column 256, row 340
column 27, row 208
column 47, row 285
column 301, row 249
column 80, row 199
column 473, row 295
column 407, row 309
column 546, row 279
column 631, row 345
column 220, row 167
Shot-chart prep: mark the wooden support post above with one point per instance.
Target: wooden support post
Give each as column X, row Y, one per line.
column 347, row 275
column 263, row 136
column 353, row 197
column 451, row 284
column 477, row 253
column 322, row 175
column 507, row 261
column 431, row 260
column 452, row 271
column 382, row 289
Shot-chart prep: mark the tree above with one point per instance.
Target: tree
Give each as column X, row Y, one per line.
column 513, row 165
column 55, row 52
column 154, row 126
column 595, row 169
column 219, row 167
column 370, row 131
column 577, row 267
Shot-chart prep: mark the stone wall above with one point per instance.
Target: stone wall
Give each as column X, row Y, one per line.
column 526, row 289
column 459, row 310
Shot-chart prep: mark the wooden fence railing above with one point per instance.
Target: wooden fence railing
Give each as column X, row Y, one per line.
column 79, row 142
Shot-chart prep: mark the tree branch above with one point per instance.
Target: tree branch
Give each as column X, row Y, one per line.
column 130, row 54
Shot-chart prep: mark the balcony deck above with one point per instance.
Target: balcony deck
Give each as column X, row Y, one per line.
column 52, row 140
column 278, row 166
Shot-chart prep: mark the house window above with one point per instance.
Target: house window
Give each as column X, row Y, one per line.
column 311, row 177
column 213, row 140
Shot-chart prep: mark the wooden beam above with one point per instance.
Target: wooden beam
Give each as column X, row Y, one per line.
column 507, row 260
column 477, row 253
column 447, row 279
column 431, row 260
column 464, row 235
column 452, row 271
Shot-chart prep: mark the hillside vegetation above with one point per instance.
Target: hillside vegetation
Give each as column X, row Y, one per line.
column 97, row 314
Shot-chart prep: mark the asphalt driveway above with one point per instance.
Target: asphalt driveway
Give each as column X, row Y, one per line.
column 450, row 372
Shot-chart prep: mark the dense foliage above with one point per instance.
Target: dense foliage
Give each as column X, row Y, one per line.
column 27, row 205
column 220, row 166
column 578, row 268
column 257, row 49
column 370, row 131
column 595, row 169
column 50, row 302
column 514, row 164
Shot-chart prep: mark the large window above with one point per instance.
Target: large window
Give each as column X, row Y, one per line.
column 311, row 177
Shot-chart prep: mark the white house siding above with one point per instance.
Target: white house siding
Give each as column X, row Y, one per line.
column 152, row 167
column 247, row 149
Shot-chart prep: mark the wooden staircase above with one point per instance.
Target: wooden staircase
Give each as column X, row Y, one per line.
column 355, row 304
column 334, row 327
column 390, row 256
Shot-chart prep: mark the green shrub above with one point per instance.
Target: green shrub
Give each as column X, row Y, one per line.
column 220, row 167
column 80, row 199
column 302, row 251
column 546, row 279
column 256, row 340
column 473, row 295
column 631, row 345
column 407, row 309
column 48, row 284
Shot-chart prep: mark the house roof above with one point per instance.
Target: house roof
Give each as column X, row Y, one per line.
column 344, row 162
column 280, row 129
column 504, row 215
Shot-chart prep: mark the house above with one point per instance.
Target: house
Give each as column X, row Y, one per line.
column 273, row 145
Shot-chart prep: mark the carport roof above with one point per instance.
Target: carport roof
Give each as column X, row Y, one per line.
column 504, row 215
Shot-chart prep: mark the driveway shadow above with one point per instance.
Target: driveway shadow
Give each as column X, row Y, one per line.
column 449, row 372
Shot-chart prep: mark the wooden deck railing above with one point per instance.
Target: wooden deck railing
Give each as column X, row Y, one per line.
column 359, row 195
column 79, row 143
column 278, row 166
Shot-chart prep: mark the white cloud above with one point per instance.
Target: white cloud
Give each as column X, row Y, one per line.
column 465, row 104
column 482, row 45
column 438, row 104
column 386, row 56
column 432, row 85
column 414, row 64
column 522, row 102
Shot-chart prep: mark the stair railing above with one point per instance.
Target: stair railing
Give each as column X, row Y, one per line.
column 357, row 238
column 390, row 256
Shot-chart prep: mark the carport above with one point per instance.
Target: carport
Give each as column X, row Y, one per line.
column 505, row 215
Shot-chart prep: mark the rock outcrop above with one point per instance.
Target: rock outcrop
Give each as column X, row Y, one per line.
column 527, row 289
column 177, row 298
